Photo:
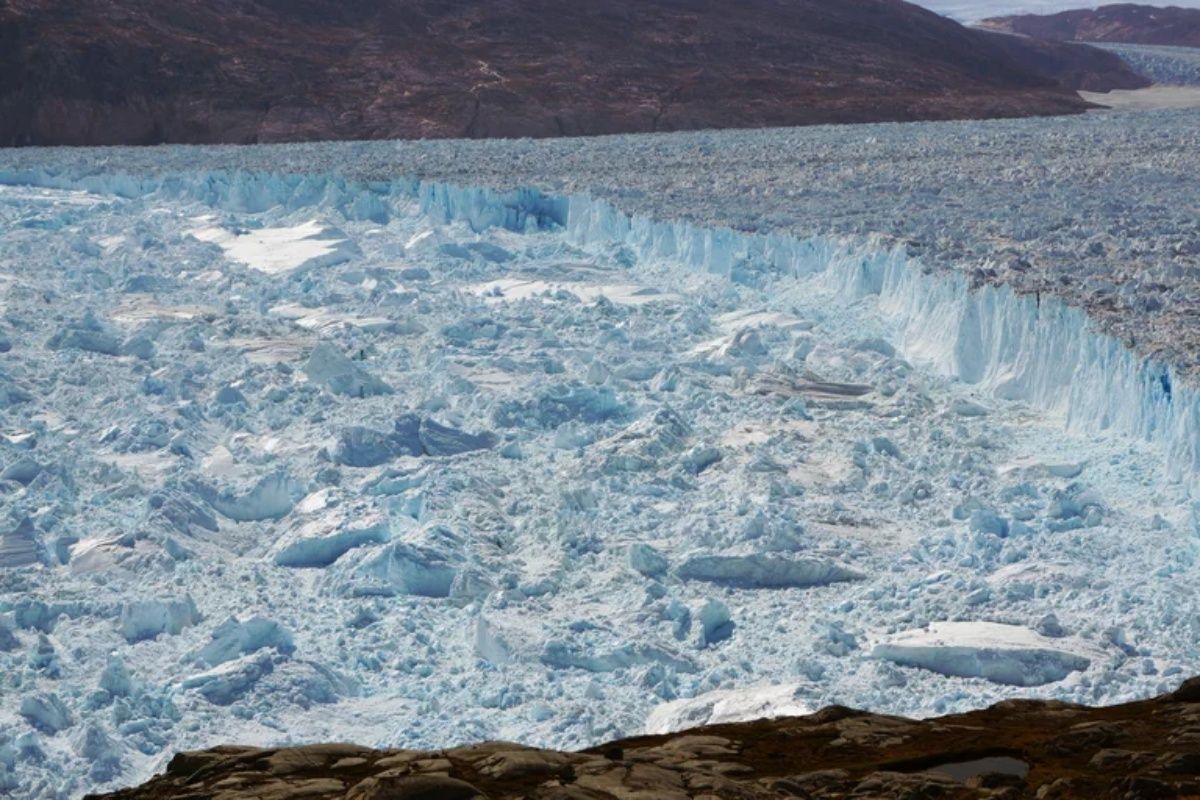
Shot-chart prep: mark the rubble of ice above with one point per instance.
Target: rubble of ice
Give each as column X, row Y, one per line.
column 650, row 463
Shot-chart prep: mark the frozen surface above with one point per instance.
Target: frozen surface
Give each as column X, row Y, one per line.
column 518, row 465
column 1099, row 209
column 1169, row 66
column 1152, row 98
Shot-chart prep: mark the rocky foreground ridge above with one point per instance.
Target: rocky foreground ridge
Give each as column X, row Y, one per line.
column 241, row 71
column 1015, row 749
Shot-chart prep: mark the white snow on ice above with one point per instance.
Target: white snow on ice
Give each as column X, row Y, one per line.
column 728, row 705
column 1008, row 654
column 278, row 250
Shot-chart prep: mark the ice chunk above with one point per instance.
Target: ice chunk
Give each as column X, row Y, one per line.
column 560, row 404
column 181, row 513
column 699, row 459
column 727, row 706
column 146, row 619
column 46, row 712
column 969, row 408
column 643, row 444
column 232, row 679
column 8, row 639
column 564, row 655
column 329, row 368
column 399, row 569
column 36, row 615
column 876, row 345
column 23, row 471
column 490, row 252
column 716, row 625
column 138, row 346
column 97, row 748
column 323, row 540
column 44, row 657
column 764, row 572
column 489, row 644
column 1006, row 654
column 234, row 638
column 645, row 559
column 358, row 446
column 510, row 289
column 304, row 683
column 20, row 546
column 327, row 320
column 985, row 520
column 87, row 334
column 10, row 393
column 115, row 678
column 229, row 396
column 442, row 440
column 271, row 498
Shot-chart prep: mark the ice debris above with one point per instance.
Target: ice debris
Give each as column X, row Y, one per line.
column 146, row 619
column 328, row 367
column 234, row 638
column 764, row 571
column 729, row 705
column 1006, row 654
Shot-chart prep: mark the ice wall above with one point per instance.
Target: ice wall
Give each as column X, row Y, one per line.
column 1035, row 349
column 1030, row 348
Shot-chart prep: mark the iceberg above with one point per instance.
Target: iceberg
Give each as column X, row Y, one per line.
column 1005, row 654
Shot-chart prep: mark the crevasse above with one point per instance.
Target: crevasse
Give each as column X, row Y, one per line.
column 1036, row 350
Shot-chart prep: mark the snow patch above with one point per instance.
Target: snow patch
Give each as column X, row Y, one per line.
column 281, row 250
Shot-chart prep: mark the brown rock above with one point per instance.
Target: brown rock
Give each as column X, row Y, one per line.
column 1180, row 763
column 512, row 764
column 906, row 786
column 811, row 784
column 312, row 757
column 1119, row 760
column 421, row 787
column 1189, row 692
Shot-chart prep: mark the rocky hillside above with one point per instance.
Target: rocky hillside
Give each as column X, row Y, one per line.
column 1123, row 22
column 1016, row 749
column 197, row 71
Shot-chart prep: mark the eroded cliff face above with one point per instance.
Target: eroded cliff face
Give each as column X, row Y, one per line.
column 1015, row 749
column 1122, row 22
column 239, row 71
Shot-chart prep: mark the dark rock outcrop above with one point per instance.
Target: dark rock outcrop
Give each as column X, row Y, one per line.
column 1016, row 749
column 1129, row 23
column 239, row 71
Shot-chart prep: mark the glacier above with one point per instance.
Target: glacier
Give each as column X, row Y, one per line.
column 519, row 465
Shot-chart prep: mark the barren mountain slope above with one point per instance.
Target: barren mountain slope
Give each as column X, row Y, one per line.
column 136, row 71
column 1122, row 22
